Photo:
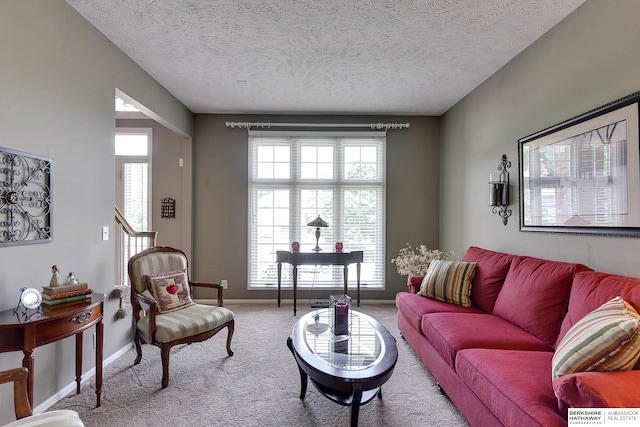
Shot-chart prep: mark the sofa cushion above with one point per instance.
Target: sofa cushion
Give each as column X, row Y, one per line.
column 597, row 390
column 535, row 295
column 514, row 385
column 413, row 307
column 449, row 281
column 490, row 274
column 591, row 289
column 449, row 333
column 604, row 340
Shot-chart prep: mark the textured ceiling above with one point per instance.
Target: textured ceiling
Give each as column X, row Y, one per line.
column 322, row 56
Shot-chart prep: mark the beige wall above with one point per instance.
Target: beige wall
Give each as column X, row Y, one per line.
column 221, row 200
column 58, row 80
column 589, row 59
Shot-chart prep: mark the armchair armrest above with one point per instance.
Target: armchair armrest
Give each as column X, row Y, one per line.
column 21, row 401
column 414, row 282
column 148, row 305
column 210, row 286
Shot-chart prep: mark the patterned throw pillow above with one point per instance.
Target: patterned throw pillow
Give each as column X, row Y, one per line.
column 449, row 281
column 170, row 290
column 604, row 340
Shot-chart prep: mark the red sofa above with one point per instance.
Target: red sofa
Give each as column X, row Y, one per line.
column 494, row 359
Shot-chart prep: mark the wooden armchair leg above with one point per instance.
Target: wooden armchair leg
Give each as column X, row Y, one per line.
column 164, row 355
column 231, row 328
column 136, row 341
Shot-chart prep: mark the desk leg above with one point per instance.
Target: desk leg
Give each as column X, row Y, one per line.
column 346, row 279
column 79, row 339
column 279, row 280
column 295, row 288
column 27, row 360
column 99, row 348
column 358, row 281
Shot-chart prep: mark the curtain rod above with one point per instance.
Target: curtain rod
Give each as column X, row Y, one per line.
column 385, row 126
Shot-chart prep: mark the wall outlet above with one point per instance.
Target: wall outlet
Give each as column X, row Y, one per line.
column 224, row 284
column 105, row 232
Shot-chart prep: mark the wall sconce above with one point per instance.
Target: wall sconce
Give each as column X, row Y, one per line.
column 499, row 190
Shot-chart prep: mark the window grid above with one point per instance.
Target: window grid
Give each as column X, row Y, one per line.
column 340, row 179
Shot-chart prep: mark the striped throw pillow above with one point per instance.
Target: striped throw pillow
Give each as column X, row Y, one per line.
column 604, row 340
column 449, row 281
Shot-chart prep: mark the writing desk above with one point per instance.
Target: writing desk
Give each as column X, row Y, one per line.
column 318, row 258
column 26, row 330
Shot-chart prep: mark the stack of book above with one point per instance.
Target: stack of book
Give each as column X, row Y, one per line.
column 52, row 296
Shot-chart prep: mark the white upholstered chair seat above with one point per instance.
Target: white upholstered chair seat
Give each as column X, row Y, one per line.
column 187, row 321
column 62, row 418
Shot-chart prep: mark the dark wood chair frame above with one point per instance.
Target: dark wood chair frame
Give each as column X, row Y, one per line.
column 141, row 302
column 20, row 398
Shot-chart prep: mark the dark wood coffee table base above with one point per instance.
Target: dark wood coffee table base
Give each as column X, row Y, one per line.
column 355, row 400
column 346, row 385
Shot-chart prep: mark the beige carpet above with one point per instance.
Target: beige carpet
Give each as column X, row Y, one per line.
column 258, row 386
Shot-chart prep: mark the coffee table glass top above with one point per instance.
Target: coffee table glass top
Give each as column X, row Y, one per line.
column 362, row 348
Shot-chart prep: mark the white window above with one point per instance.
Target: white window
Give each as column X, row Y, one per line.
column 292, row 180
column 133, row 192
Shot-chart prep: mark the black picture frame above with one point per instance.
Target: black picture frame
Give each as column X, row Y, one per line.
column 583, row 175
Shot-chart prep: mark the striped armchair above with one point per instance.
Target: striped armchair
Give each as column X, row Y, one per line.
column 164, row 313
column 24, row 417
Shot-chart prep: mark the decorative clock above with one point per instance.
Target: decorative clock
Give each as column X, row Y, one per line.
column 25, row 198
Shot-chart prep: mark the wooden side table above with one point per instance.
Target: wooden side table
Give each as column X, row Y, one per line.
column 318, row 258
column 25, row 332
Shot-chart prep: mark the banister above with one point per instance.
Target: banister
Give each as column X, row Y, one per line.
column 126, row 227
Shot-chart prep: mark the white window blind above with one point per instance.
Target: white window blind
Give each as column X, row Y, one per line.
column 292, row 180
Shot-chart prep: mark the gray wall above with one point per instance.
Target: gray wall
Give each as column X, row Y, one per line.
column 169, row 180
column 589, row 59
column 221, row 198
column 58, row 80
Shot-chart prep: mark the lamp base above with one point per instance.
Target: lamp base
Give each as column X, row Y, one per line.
column 317, row 249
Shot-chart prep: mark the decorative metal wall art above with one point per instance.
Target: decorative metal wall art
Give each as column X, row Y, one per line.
column 25, row 198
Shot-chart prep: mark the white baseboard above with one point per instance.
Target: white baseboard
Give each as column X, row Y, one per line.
column 85, row 377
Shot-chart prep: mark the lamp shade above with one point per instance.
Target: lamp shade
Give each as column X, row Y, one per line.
column 318, row 222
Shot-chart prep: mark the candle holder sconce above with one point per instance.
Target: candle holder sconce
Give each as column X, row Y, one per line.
column 499, row 190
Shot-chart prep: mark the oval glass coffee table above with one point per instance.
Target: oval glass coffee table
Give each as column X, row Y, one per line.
column 348, row 369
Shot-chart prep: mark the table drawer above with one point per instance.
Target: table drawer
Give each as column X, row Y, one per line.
column 68, row 325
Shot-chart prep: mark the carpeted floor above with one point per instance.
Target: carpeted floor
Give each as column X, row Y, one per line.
column 258, row 386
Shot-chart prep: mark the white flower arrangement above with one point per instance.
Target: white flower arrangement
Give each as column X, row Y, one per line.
column 415, row 262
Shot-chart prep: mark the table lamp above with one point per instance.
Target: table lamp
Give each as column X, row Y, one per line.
column 318, row 222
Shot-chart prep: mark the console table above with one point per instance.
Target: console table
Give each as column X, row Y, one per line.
column 26, row 330
column 318, row 258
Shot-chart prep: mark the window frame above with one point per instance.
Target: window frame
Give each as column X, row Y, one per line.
column 373, row 268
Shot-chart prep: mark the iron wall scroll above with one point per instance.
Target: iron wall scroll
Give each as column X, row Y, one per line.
column 582, row 175
column 25, row 198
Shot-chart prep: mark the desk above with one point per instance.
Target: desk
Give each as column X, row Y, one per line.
column 318, row 258
column 18, row 332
